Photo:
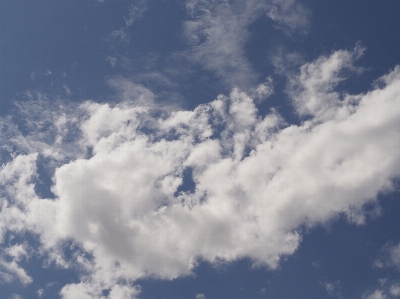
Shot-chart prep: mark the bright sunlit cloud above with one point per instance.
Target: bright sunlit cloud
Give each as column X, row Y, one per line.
column 133, row 186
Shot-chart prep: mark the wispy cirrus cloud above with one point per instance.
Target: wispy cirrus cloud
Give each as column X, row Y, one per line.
column 136, row 11
column 218, row 33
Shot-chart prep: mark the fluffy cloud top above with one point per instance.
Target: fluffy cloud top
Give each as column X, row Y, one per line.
column 257, row 180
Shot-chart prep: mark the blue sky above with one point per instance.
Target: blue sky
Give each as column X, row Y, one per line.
column 172, row 149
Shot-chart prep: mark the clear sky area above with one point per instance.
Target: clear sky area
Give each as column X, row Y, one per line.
column 199, row 149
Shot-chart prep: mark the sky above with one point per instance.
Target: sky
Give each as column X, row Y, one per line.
column 199, row 149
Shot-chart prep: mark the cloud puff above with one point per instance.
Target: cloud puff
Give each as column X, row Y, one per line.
column 257, row 180
column 313, row 90
column 9, row 268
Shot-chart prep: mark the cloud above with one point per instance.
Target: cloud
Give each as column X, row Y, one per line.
column 257, row 179
column 313, row 90
column 391, row 290
column 395, row 290
column 67, row 90
column 218, row 33
column 41, row 125
column 88, row 291
column 136, row 11
column 288, row 14
column 390, row 257
column 394, row 253
column 284, row 61
column 376, row 295
column 263, row 90
column 137, row 94
column 9, row 268
column 333, row 288
column 200, row 296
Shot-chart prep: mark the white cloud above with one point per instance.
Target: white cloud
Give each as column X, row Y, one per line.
column 395, row 255
column 40, row 293
column 138, row 95
column 17, row 252
column 120, row 35
column 395, row 289
column 11, row 270
column 257, row 180
column 67, row 90
column 91, row 291
column 288, row 14
column 285, row 61
column 333, row 288
column 391, row 290
column 132, row 92
column 112, row 60
column 200, row 296
column 136, row 11
column 46, row 129
column 390, row 257
column 218, row 33
column 313, row 90
column 263, row 90
column 378, row 294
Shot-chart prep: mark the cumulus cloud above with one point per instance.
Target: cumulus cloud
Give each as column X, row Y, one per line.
column 218, row 32
column 313, row 90
column 257, row 179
